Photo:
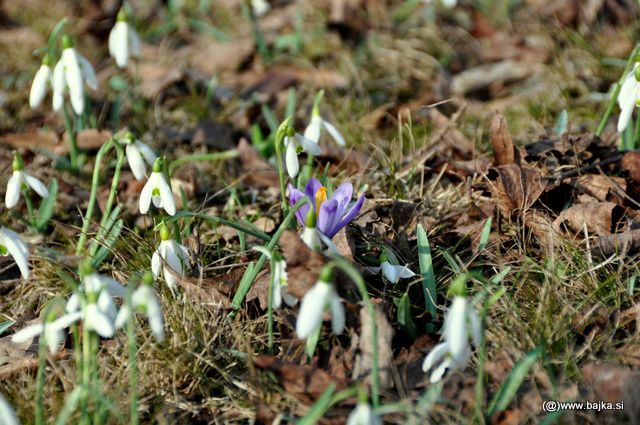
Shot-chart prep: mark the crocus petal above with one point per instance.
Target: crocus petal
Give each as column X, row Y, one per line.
column 456, row 327
column 7, row 414
column 99, row 322
column 73, row 77
column 337, row 136
column 311, row 309
column 308, row 145
column 337, row 313
column 145, row 194
column 328, row 218
column 312, row 132
column 312, row 187
column 13, row 189
column 291, row 159
column 136, row 162
column 435, row 355
column 351, row 213
column 88, row 72
column 119, row 43
column 58, row 84
column 36, row 185
column 343, row 195
column 294, row 196
column 17, row 250
column 39, row 86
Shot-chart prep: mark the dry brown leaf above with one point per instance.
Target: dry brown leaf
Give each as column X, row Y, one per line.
column 155, row 77
column 210, row 57
column 625, row 242
column 599, row 186
column 345, row 243
column 364, row 360
column 303, row 264
column 305, row 382
column 40, row 139
column 614, row 384
column 503, row 151
column 485, row 75
column 515, row 188
column 205, row 291
column 257, row 171
column 600, row 218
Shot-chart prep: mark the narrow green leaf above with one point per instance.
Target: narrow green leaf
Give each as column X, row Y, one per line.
column 292, row 100
column 45, row 212
column 562, row 122
column 484, row 236
column 404, row 316
column 319, row 407
column 104, row 250
column 426, row 271
column 512, row 383
column 6, row 325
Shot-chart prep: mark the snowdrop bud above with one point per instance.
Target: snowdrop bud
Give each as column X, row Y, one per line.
column 637, row 74
column 17, row 164
column 459, row 286
column 67, row 42
column 157, row 166
column 315, row 112
column 85, row 268
column 122, row 16
column 310, row 219
column 147, row 278
column 326, row 275
column 290, row 131
column 165, row 234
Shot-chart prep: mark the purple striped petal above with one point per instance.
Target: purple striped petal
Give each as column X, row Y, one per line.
column 349, row 215
column 343, row 196
column 328, row 218
column 294, row 196
column 312, row 187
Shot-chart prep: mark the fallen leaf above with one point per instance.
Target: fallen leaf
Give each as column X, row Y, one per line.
column 503, row 150
column 485, row 75
column 40, row 139
column 364, row 360
column 614, row 384
column 303, row 264
column 305, row 382
column 620, row 243
column 205, row 291
column 600, row 218
column 257, row 171
column 515, row 188
column 89, row 139
column 210, row 57
column 155, row 77
column 345, row 243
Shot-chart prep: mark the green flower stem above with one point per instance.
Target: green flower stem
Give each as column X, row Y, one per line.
column 27, row 200
column 281, row 132
column 215, row 156
column 616, row 92
column 111, row 143
column 86, row 373
column 219, row 220
column 133, row 365
column 73, row 141
column 255, row 30
column 270, row 306
column 357, row 279
column 637, row 135
column 245, row 284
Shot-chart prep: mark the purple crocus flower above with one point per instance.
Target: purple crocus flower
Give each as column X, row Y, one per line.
column 333, row 213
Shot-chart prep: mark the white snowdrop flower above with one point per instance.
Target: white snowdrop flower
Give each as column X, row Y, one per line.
column 169, row 256
column 95, row 282
column 321, row 297
column 41, row 81
column 362, row 414
column 97, row 320
column 310, row 235
column 157, row 189
column 7, row 414
column 19, row 180
column 317, row 124
column 393, row 273
column 260, row 7
column 11, row 244
column 144, row 300
column 124, row 41
column 139, row 155
column 52, row 330
column 71, row 72
column 450, row 3
column 454, row 353
column 628, row 97
column 292, row 141
column 280, row 279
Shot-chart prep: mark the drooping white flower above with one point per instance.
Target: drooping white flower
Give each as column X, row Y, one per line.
column 292, row 142
column 393, row 273
column 454, row 353
column 7, row 414
column 139, row 155
column 169, row 256
column 280, row 279
column 157, row 189
column 629, row 97
column 144, row 300
column 53, row 335
column 71, row 72
column 19, row 180
column 11, row 244
column 98, row 321
column 362, row 414
column 321, row 297
column 41, row 81
column 317, row 124
column 124, row 41
column 260, row 7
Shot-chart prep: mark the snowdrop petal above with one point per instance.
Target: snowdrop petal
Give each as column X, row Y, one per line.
column 337, row 136
column 119, row 43
column 168, row 203
column 363, row 415
column 13, row 189
column 311, row 309
column 27, row 333
column 65, row 321
column 147, row 153
column 312, row 132
column 156, row 264
column 456, row 329
column 123, row 316
column 73, row 77
column 337, row 313
column 435, row 355
column 174, row 256
column 106, row 305
column 36, row 185
column 395, row 273
column 7, row 414
column 439, row 372
column 134, row 42
column 88, row 72
column 291, row 159
column 476, row 327
column 16, row 249
column 289, row 299
column 58, row 84
column 99, row 322
column 39, row 86
column 156, row 321
column 308, row 145
column 145, row 194
column 136, row 162
column 52, row 338
column 73, row 304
